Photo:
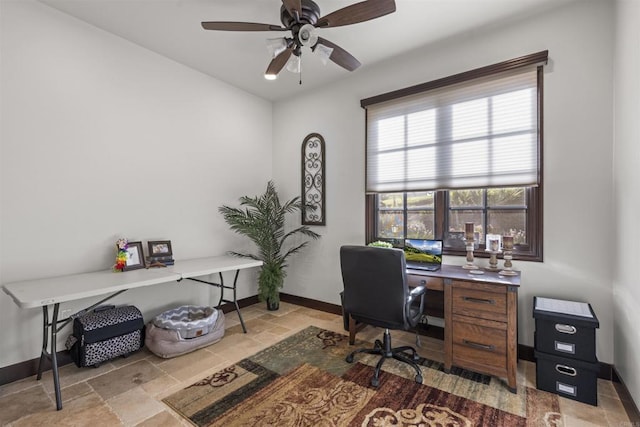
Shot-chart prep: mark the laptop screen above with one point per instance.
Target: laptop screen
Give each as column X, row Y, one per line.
column 423, row 252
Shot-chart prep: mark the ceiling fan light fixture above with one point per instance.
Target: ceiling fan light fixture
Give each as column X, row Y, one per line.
column 276, row 46
column 307, row 35
column 294, row 64
column 270, row 76
column 324, row 53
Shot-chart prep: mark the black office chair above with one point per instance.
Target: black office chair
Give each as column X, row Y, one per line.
column 376, row 293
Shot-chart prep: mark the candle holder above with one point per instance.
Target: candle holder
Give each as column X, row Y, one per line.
column 507, row 245
column 493, row 260
column 469, row 246
column 493, row 244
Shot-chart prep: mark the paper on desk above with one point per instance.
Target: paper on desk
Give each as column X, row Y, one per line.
column 564, row 307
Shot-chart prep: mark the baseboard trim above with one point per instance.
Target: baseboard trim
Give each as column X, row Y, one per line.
column 25, row 369
column 311, row 303
column 242, row 303
column 627, row 401
column 429, row 330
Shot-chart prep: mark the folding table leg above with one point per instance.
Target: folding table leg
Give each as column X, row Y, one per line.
column 45, row 340
column 235, row 300
column 54, row 357
column 50, row 354
column 222, row 287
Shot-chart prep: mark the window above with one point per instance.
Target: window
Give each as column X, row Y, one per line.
column 415, row 215
column 405, row 216
column 460, row 149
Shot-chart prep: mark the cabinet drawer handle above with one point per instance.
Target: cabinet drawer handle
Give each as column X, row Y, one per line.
column 566, row 329
column 480, row 300
column 423, row 282
column 566, row 370
column 478, row 345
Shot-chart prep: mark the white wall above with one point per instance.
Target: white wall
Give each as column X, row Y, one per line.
column 577, row 155
column 103, row 139
column 626, row 291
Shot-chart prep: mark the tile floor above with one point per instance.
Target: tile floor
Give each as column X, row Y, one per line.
column 129, row 391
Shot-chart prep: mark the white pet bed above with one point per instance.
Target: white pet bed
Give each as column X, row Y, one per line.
column 189, row 320
column 168, row 343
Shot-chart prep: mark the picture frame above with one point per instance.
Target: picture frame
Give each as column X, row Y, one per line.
column 135, row 256
column 455, row 240
column 497, row 242
column 160, row 249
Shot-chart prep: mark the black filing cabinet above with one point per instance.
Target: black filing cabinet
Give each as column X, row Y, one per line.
column 565, row 349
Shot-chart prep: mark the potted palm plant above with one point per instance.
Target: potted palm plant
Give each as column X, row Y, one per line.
column 262, row 219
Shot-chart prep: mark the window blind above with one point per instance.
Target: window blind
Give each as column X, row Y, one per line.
column 475, row 134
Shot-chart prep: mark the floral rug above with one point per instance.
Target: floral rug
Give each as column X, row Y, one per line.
column 305, row 381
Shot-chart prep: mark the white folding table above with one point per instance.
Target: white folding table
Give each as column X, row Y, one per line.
column 56, row 290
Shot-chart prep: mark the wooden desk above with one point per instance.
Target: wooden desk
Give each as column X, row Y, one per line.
column 56, row 290
column 481, row 319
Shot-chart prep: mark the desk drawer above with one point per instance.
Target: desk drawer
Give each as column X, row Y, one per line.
column 432, row 283
column 480, row 345
column 480, row 300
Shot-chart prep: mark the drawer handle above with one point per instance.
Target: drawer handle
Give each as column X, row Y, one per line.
column 423, row 282
column 566, row 370
column 566, row 329
column 478, row 345
column 480, row 300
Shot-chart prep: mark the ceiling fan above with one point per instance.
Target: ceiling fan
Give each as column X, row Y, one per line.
column 302, row 18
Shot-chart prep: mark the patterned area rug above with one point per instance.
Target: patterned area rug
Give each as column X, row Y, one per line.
column 305, row 381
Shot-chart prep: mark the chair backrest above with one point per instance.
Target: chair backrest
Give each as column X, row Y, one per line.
column 375, row 285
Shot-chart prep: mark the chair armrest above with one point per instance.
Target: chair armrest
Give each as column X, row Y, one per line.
column 418, row 291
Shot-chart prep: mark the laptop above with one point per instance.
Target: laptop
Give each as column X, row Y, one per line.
column 423, row 254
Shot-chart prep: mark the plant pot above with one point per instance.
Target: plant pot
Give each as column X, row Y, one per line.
column 273, row 304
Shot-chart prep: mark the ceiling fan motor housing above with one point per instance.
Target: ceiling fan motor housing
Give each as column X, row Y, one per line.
column 310, row 15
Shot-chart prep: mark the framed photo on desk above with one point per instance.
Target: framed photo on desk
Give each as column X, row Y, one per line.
column 160, row 249
column 135, row 256
column 160, row 253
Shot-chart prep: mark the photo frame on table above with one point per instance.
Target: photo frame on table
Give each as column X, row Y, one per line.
column 160, row 249
column 135, row 256
column 493, row 242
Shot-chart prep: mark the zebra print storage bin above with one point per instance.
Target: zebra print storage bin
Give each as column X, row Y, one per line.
column 105, row 333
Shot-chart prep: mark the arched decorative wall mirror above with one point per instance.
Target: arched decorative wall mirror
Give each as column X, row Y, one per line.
column 313, row 180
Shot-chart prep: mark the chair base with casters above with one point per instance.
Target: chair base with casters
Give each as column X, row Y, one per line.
column 385, row 350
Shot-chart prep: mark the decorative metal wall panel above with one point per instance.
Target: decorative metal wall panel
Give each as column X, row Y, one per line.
column 313, row 180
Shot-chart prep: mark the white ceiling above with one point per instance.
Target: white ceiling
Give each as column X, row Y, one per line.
column 172, row 29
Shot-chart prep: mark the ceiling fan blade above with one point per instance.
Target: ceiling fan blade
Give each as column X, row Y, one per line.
column 293, row 7
column 277, row 63
column 339, row 55
column 358, row 12
column 241, row 26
